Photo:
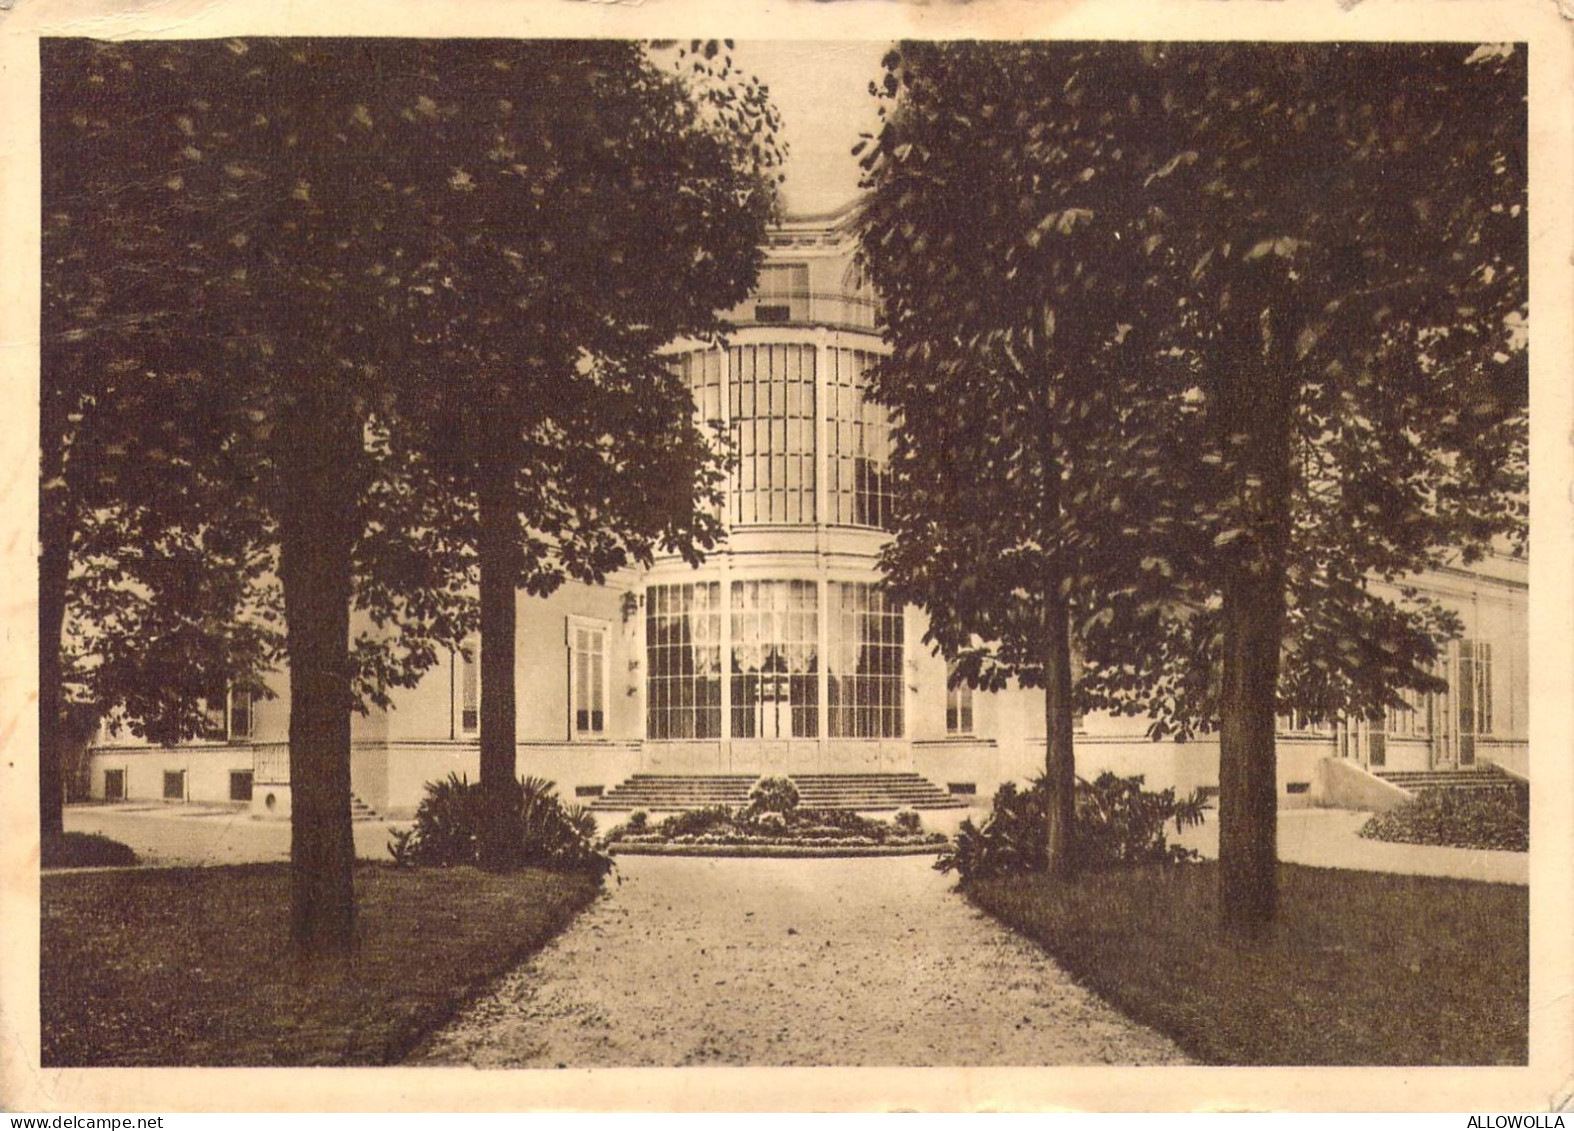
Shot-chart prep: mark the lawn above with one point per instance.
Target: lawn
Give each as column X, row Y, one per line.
column 190, row 966
column 1362, row 968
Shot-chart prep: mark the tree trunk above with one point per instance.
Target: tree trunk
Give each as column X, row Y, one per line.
column 1254, row 610
column 1248, row 792
column 319, row 450
column 54, row 572
column 498, row 559
column 1060, row 765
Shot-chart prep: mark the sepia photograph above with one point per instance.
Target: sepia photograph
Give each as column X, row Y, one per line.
column 919, row 546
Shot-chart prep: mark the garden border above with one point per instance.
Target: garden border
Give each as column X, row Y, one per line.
column 797, row 851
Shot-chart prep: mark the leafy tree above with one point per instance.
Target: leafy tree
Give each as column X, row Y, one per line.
column 1354, row 220
column 548, row 405
column 1332, row 245
column 326, row 231
column 1031, row 406
column 221, row 210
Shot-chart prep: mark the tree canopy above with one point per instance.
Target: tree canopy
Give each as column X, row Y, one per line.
column 1279, row 296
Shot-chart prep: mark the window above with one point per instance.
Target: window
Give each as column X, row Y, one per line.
column 783, row 293
column 468, row 663
column 775, row 659
column 587, row 677
column 702, row 372
column 242, row 714
column 1473, row 690
column 683, row 661
column 771, row 397
column 174, row 785
column 856, row 468
column 1475, row 687
column 1413, row 720
column 958, row 703
column 217, row 720
column 240, row 785
column 230, row 712
column 1298, row 722
column 865, row 663
column 114, row 785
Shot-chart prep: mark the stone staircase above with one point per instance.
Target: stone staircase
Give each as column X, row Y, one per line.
column 1473, row 779
column 672, row 793
column 676, row 793
column 872, row 792
column 360, row 811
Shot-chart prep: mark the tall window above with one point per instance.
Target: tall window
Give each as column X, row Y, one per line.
column 859, row 486
column 1475, row 687
column 1414, row 719
column 587, row 677
column 702, row 372
column 469, row 689
column 1473, row 692
column 775, row 659
column 683, row 661
column 230, row 714
column 865, row 663
column 772, row 403
column 242, row 713
column 958, row 704
column 783, row 293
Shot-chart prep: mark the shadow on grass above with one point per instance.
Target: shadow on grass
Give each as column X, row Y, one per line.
column 191, row 966
column 1361, row 968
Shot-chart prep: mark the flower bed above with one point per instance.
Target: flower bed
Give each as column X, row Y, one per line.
column 772, row 824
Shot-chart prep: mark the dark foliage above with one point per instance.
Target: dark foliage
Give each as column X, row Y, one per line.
column 84, row 850
column 542, row 832
column 772, row 795
column 797, row 826
column 1119, row 824
column 1494, row 819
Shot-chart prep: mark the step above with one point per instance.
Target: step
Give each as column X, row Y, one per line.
column 360, row 811
column 872, row 791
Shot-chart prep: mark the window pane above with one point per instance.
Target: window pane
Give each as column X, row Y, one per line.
column 866, row 664
column 773, row 434
column 860, row 443
column 682, row 642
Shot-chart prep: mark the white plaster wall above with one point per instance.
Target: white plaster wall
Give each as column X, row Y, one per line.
column 207, row 770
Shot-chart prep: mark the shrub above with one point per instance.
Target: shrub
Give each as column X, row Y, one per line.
column 1118, row 823
column 908, row 820
column 843, row 821
column 771, row 823
column 695, row 821
column 638, row 821
column 1493, row 819
column 447, row 822
column 544, row 833
column 84, row 850
column 401, row 846
column 772, row 795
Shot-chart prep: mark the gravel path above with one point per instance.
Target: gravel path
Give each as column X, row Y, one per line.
column 788, row 962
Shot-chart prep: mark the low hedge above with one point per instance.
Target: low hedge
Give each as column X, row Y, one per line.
column 85, row 850
column 1491, row 819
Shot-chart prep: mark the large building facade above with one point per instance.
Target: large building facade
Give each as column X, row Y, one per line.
column 781, row 654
